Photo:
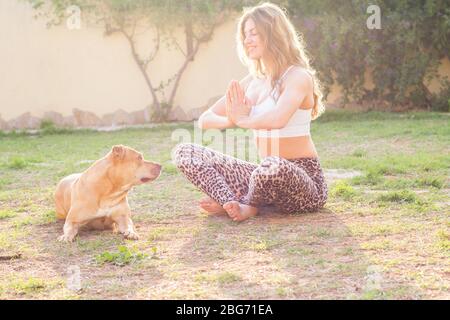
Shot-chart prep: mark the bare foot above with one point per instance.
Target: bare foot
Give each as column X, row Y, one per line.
column 211, row 206
column 238, row 211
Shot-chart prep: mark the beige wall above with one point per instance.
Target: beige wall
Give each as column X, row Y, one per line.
column 58, row 69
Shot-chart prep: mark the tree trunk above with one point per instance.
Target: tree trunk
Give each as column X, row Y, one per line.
column 192, row 44
column 142, row 68
column 189, row 32
column 188, row 59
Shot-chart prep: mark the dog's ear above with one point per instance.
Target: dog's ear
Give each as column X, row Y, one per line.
column 118, row 152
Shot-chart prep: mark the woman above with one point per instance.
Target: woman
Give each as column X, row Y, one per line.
column 278, row 100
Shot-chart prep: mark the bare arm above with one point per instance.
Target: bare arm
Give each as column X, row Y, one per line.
column 296, row 88
column 216, row 117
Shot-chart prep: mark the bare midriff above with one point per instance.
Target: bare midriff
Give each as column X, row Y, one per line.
column 287, row 148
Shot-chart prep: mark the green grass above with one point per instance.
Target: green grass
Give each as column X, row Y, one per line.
column 121, row 257
column 394, row 215
column 222, row 278
column 372, row 177
column 403, row 196
column 17, row 163
column 443, row 240
column 227, row 277
column 344, row 190
column 29, row 285
column 5, row 214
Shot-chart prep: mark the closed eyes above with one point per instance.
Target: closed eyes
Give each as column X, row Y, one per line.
column 252, row 31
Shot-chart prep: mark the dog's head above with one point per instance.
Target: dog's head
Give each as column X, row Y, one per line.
column 128, row 167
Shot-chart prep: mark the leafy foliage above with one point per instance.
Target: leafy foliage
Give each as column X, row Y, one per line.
column 401, row 56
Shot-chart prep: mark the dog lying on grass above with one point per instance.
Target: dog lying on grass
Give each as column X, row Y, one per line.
column 97, row 197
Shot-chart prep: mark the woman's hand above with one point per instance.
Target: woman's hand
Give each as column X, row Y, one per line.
column 237, row 106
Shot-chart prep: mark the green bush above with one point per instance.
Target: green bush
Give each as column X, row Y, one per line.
column 414, row 37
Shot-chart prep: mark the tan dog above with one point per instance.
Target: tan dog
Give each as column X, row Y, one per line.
column 98, row 196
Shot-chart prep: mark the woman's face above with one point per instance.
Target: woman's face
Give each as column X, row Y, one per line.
column 252, row 41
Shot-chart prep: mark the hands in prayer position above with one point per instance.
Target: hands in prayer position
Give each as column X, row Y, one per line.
column 238, row 106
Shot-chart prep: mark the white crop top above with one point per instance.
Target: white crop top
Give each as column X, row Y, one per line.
column 298, row 124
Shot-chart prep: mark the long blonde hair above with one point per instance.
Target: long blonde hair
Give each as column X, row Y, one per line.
column 283, row 47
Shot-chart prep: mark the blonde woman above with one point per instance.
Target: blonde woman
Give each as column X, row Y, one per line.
column 277, row 100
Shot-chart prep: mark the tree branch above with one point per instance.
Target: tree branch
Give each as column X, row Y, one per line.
column 179, row 47
column 142, row 68
column 155, row 52
column 190, row 57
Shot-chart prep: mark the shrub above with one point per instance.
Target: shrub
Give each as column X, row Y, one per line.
column 402, row 55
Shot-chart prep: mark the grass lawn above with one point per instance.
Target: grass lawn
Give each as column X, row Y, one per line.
column 382, row 235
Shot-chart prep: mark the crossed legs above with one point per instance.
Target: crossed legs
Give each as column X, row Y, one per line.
column 238, row 187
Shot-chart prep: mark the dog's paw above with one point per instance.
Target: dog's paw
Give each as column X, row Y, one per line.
column 131, row 236
column 65, row 238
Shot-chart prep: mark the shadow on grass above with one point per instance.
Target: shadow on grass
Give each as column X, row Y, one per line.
column 278, row 256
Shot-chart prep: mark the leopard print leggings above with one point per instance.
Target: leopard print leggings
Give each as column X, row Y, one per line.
column 295, row 185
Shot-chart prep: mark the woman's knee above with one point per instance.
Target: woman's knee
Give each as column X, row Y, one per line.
column 191, row 156
column 183, row 154
column 265, row 178
column 270, row 167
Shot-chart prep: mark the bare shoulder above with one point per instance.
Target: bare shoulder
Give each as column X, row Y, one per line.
column 299, row 77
